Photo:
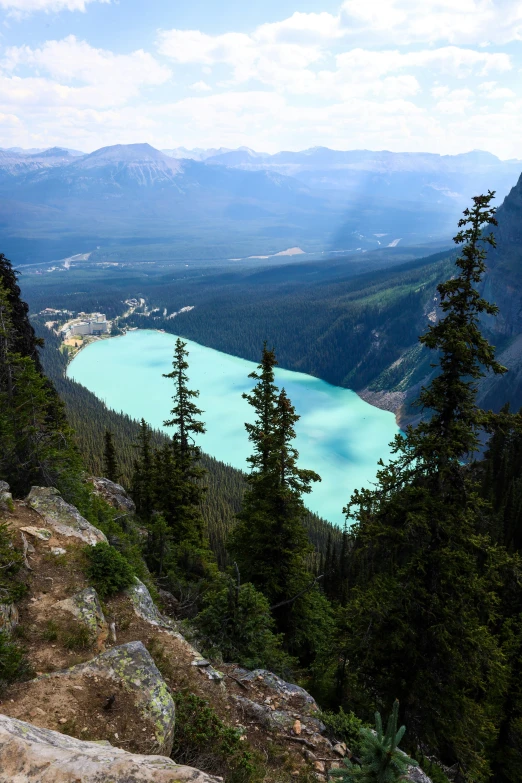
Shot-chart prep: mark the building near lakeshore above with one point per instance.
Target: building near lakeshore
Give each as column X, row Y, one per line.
column 94, row 324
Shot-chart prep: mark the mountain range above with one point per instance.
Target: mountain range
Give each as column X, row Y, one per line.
column 220, row 203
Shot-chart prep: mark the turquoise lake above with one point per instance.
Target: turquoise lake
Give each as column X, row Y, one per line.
column 339, row 435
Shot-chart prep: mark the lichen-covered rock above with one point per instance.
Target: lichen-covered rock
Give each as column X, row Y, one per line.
column 33, row 755
column 416, row 775
column 6, row 499
column 9, row 618
column 37, row 532
column 86, row 607
column 145, row 607
column 273, row 720
column 292, row 695
column 61, row 516
column 131, row 665
column 254, row 711
column 114, row 494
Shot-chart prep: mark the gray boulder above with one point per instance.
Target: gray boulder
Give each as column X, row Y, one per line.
column 114, row 494
column 32, row 755
column 6, row 499
column 86, row 608
column 9, row 617
column 61, row 516
column 146, row 609
column 292, row 696
column 416, row 775
column 131, row 665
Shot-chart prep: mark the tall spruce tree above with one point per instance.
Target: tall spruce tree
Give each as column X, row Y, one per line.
column 143, row 477
column 178, row 548
column 110, row 460
column 36, row 443
column 183, row 472
column 269, row 542
column 185, row 413
column 422, row 606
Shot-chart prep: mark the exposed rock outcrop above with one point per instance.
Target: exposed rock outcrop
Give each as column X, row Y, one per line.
column 34, row 755
column 145, row 608
column 86, row 607
column 114, row 494
column 61, row 516
column 131, row 666
column 119, row 694
column 6, row 499
column 416, row 775
column 9, row 617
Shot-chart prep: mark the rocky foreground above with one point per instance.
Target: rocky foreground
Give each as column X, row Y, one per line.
column 100, row 705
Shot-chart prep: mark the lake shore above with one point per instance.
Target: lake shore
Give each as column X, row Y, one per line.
column 339, row 435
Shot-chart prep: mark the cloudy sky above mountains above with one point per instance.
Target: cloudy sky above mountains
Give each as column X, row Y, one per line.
column 438, row 75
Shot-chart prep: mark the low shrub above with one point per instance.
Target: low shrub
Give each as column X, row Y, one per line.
column 108, row 570
column 344, row 727
column 11, row 562
column 77, row 637
column 70, row 633
column 13, row 663
column 204, row 741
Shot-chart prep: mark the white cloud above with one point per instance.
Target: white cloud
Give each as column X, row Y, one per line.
column 493, row 91
column 78, row 74
column 454, row 101
column 287, row 56
column 74, row 60
column 395, row 74
column 23, row 7
column 201, row 87
column 408, row 21
column 449, row 59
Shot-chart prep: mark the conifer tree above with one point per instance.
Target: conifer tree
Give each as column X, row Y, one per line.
column 143, row 475
column 451, row 433
column 381, row 759
column 36, row 444
column 422, row 609
column 180, row 490
column 178, row 548
column 109, row 457
column 185, row 413
column 269, row 542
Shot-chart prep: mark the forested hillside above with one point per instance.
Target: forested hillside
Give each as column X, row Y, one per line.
column 330, row 318
column 418, row 605
column 90, row 419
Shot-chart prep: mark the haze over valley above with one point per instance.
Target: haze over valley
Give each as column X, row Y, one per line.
column 134, row 202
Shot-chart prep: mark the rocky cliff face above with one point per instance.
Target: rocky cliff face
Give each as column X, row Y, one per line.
column 502, row 281
column 503, row 285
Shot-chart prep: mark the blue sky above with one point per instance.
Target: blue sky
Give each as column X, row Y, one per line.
column 438, row 75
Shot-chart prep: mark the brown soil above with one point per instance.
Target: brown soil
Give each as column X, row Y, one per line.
column 75, row 705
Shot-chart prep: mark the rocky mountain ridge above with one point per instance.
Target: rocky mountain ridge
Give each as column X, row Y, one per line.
column 105, row 708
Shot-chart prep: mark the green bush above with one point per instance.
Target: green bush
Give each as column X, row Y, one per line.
column 381, row 759
column 202, row 740
column 71, row 634
column 108, row 570
column 13, row 663
column 11, row 561
column 237, row 623
column 345, row 727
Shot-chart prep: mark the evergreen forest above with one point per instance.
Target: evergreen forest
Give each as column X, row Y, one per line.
column 413, row 609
